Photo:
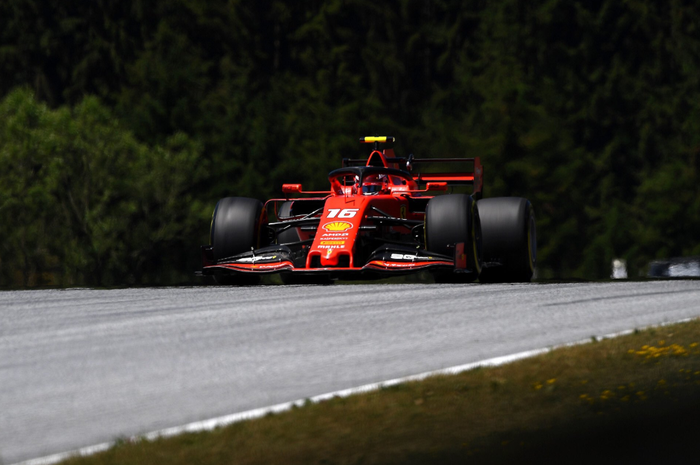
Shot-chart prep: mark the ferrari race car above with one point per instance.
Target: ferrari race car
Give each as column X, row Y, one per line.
column 376, row 220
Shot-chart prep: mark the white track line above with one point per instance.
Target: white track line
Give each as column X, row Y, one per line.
column 208, row 425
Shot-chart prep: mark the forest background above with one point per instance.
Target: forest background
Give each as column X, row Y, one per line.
column 122, row 122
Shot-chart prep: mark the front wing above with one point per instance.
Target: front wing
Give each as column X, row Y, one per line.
column 387, row 261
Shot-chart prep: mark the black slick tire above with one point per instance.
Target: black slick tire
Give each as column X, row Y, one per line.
column 236, row 228
column 450, row 219
column 291, row 234
column 509, row 239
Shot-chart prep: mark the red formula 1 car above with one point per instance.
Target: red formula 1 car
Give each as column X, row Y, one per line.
column 377, row 220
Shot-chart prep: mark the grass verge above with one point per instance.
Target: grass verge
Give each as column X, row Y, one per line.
column 632, row 399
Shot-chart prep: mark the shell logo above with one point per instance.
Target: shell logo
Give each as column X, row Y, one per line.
column 336, row 226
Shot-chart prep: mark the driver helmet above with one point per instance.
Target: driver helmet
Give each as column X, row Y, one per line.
column 375, row 184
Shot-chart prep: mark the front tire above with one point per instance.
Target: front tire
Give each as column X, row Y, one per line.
column 450, row 219
column 509, row 239
column 236, row 227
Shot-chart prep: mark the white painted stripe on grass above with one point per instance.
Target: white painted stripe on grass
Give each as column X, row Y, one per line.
column 208, row 425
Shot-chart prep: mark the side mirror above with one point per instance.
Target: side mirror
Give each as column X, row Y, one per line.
column 436, row 186
column 291, row 188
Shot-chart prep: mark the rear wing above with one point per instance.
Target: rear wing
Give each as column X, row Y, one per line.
column 473, row 177
column 387, row 159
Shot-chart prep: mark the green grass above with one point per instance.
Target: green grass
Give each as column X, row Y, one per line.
column 633, row 399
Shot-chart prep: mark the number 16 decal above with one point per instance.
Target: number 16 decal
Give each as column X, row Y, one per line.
column 344, row 213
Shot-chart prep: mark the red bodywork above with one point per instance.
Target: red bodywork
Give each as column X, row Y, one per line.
column 350, row 231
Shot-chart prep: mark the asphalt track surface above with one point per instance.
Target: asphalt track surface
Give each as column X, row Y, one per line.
column 81, row 367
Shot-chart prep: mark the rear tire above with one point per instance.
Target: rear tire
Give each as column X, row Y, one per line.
column 509, row 239
column 289, row 234
column 236, row 227
column 450, row 219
